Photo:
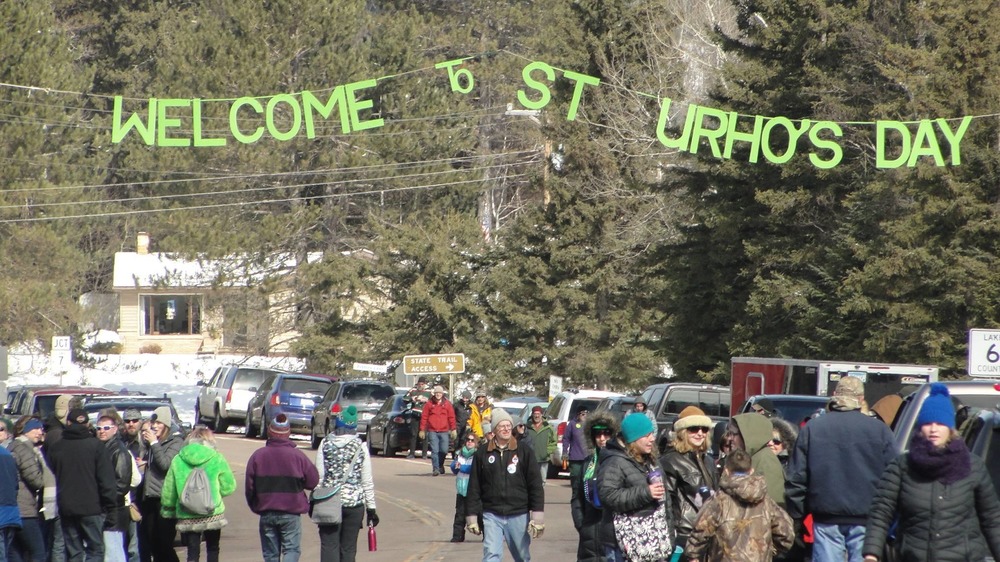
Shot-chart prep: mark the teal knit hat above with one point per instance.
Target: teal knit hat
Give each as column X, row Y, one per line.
column 636, row 426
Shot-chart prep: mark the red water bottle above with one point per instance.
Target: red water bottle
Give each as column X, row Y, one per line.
column 372, row 541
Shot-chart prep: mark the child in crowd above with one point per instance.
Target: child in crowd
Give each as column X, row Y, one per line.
column 740, row 523
column 462, row 466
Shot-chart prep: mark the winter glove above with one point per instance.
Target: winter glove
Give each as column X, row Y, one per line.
column 453, row 434
column 536, row 526
column 372, row 518
column 422, row 434
column 472, row 525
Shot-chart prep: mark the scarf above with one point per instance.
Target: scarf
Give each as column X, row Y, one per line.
column 467, row 452
column 947, row 464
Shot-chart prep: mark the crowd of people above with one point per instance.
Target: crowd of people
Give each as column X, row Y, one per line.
column 123, row 488
column 831, row 488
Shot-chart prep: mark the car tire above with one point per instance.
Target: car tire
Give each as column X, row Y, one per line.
column 368, row 438
column 313, row 440
column 387, row 451
column 221, row 425
column 197, row 414
column 249, row 431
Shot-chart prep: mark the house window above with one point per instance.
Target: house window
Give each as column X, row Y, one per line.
column 170, row 314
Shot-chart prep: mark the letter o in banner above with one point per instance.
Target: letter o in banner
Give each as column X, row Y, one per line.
column 793, row 138
column 296, row 116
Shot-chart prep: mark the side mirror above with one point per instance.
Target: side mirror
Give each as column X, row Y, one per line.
column 252, row 389
column 186, row 425
column 201, row 383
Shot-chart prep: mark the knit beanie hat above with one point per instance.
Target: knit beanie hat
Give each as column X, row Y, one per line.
column 636, row 426
column 348, row 418
column 32, row 425
column 937, row 407
column 500, row 415
column 279, row 427
column 692, row 416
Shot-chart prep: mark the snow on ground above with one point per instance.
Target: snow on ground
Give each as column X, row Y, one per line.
column 153, row 374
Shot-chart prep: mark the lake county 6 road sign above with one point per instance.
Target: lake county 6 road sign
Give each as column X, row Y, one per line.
column 441, row 364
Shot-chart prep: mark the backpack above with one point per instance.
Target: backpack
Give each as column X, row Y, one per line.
column 196, row 496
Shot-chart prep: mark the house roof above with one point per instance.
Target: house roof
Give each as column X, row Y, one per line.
column 156, row 269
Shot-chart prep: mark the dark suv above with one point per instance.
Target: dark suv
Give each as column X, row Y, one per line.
column 968, row 396
column 224, row 398
column 365, row 395
column 666, row 400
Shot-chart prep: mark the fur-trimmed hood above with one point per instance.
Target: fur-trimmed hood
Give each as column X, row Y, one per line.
column 603, row 418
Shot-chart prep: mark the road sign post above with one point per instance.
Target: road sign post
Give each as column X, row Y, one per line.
column 984, row 353
column 440, row 364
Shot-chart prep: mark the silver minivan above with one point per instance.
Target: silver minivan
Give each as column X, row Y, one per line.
column 224, row 397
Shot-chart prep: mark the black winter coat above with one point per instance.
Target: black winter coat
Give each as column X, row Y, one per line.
column 937, row 522
column 681, row 478
column 121, row 462
column 504, row 481
column 621, row 483
column 83, row 471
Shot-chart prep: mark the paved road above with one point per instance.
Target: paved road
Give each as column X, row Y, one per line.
column 416, row 512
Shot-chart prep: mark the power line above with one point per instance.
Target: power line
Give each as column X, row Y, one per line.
column 240, row 204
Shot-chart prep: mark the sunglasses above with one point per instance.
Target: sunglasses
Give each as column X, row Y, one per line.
column 698, row 429
column 132, row 421
column 105, row 427
column 602, row 433
column 471, row 440
column 776, row 441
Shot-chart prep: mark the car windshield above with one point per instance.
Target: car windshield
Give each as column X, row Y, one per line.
column 796, row 411
column 304, row 386
column 367, row 393
column 249, row 378
column 145, row 409
column 583, row 404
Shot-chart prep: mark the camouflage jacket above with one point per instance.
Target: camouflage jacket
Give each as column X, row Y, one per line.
column 740, row 524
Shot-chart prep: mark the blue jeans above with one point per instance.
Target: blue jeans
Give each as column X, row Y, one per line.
column 439, row 448
column 29, row 542
column 6, row 538
column 84, row 537
column 832, row 542
column 114, row 546
column 280, row 536
column 510, row 528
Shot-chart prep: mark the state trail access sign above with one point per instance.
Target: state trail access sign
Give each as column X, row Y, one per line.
column 441, row 364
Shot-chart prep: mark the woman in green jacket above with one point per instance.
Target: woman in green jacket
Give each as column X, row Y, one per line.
column 199, row 451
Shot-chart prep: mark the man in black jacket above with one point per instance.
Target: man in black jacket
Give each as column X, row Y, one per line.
column 505, row 486
column 86, row 484
column 118, row 518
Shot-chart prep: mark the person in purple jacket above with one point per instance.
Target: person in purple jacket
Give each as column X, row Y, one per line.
column 574, row 448
column 277, row 477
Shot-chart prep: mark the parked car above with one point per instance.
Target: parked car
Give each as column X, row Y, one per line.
column 667, row 400
column 283, row 393
column 564, row 407
column 525, row 412
column 42, row 401
column 14, row 406
column 511, row 407
column 389, row 431
column 145, row 404
column 982, row 436
column 223, row 399
column 365, row 395
column 970, row 397
column 617, row 406
column 793, row 408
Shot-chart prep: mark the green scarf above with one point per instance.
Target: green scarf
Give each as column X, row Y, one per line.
column 467, row 452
